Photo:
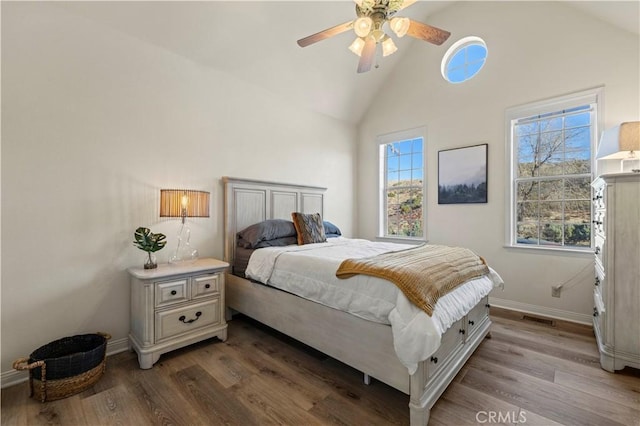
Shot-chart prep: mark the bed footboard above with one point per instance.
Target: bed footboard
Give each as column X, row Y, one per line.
column 364, row 345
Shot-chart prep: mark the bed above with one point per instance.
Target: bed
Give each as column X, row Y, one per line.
column 363, row 344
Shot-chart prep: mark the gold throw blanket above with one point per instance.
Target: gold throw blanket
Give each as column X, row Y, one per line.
column 424, row 273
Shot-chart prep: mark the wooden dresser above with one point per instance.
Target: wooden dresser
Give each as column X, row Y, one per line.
column 616, row 295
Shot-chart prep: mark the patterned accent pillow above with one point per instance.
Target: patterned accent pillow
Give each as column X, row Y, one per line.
column 309, row 227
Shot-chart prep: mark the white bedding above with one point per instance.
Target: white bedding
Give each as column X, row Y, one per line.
column 309, row 271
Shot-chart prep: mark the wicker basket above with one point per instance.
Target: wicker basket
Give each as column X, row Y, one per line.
column 66, row 366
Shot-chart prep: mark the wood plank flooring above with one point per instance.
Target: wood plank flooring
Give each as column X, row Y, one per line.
column 527, row 373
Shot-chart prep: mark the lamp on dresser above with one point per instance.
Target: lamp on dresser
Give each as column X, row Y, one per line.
column 184, row 203
column 622, row 143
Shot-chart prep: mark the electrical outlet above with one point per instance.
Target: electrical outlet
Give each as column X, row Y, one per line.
column 555, row 291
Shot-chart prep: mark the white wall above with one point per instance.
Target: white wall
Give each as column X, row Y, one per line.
column 537, row 50
column 94, row 124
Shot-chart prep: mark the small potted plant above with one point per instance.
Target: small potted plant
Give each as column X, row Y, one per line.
column 149, row 242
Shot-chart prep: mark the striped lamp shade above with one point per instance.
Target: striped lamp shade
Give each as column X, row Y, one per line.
column 184, row 203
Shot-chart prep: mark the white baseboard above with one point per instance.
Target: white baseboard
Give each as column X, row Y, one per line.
column 541, row 310
column 13, row 377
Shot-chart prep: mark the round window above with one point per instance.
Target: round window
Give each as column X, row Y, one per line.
column 464, row 59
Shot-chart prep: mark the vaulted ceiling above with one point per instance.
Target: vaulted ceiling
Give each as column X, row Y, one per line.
column 256, row 42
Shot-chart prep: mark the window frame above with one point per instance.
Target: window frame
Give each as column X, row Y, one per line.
column 595, row 97
column 454, row 50
column 381, row 142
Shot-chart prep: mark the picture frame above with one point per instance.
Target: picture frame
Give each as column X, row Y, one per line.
column 462, row 175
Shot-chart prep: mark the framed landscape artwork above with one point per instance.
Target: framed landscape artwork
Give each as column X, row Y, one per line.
column 462, row 175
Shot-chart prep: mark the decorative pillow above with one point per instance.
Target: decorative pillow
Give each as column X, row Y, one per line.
column 309, row 228
column 267, row 230
column 330, row 230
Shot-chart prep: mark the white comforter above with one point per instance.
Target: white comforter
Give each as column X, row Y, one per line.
column 309, row 271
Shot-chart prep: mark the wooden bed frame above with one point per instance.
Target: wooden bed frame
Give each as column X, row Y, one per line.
column 364, row 345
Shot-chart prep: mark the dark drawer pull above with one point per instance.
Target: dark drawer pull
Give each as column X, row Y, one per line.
column 597, row 250
column 434, row 359
column 461, row 331
column 595, row 312
column 183, row 318
column 207, row 286
column 173, row 292
column 597, row 283
column 487, row 305
column 471, row 322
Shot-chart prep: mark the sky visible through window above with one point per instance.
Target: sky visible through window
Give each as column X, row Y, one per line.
column 465, row 62
column 573, row 129
column 404, row 161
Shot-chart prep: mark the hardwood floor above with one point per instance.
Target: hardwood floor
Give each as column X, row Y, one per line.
column 528, row 373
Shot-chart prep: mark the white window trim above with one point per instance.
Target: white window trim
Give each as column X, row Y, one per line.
column 454, row 49
column 417, row 132
column 594, row 95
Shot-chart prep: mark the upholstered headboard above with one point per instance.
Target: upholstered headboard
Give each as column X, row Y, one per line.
column 251, row 201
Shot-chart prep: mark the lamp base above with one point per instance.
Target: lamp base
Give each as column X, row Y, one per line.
column 184, row 253
column 183, row 260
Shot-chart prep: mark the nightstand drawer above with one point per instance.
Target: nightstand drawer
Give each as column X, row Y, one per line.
column 170, row 292
column 187, row 318
column 205, row 285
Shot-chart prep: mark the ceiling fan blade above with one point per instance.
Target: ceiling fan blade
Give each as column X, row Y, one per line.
column 427, row 33
column 367, row 55
column 323, row 35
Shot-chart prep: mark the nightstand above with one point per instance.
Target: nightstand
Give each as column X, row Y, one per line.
column 174, row 306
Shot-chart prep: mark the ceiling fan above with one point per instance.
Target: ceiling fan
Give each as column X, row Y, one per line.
column 368, row 26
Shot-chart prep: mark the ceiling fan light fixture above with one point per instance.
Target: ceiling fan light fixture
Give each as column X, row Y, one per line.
column 399, row 26
column 369, row 26
column 362, row 26
column 388, row 46
column 357, row 46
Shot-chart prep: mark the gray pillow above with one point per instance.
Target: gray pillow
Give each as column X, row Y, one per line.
column 267, row 230
column 278, row 242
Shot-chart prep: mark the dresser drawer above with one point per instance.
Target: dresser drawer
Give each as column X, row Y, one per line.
column 599, row 222
column 451, row 340
column 599, row 250
column 187, row 318
column 205, row 285
column 599, row 194
column 598, row 313
column 171, row 292
column 476, row 315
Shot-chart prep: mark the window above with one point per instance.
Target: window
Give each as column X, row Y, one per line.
column 552, row 146
column 464, row 59
column 402, row 185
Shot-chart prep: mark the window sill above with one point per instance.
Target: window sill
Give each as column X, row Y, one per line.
column 402, row 240
column 551, row 249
